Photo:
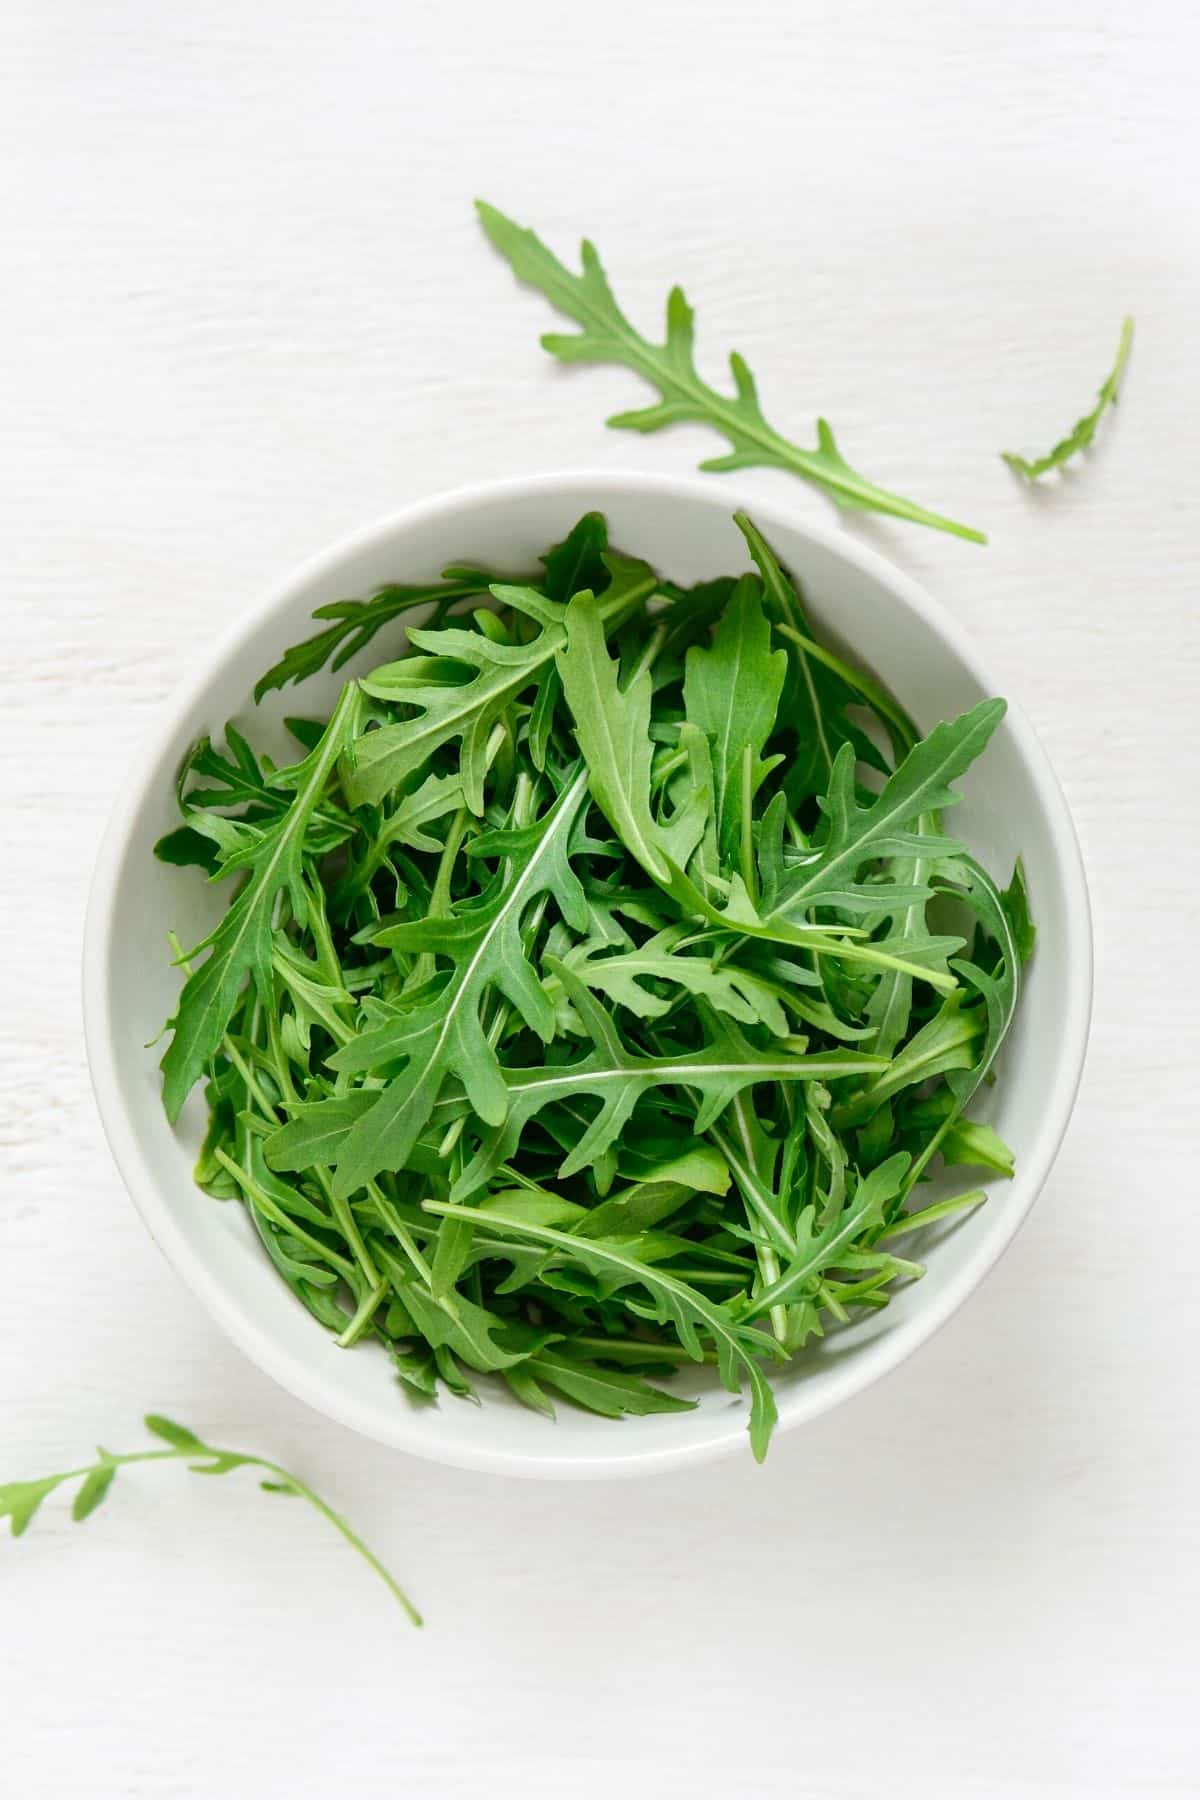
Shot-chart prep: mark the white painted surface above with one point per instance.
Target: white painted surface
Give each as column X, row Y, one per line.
column 245, row 308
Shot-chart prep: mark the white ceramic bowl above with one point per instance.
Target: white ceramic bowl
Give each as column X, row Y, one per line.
column 1012, row 804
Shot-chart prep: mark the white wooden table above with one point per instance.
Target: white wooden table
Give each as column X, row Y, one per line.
column 245, row 309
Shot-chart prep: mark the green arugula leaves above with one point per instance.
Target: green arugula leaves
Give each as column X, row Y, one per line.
column 596, row 993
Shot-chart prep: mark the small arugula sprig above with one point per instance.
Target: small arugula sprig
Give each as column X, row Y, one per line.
column 20, row 1500
column 1084, row 430
column 357, row 622
column 607, row 336
column 599, row 988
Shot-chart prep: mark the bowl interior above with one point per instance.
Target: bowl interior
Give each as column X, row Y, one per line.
column 1011, row 805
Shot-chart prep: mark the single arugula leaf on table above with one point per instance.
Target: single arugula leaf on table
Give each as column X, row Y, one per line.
column 607, row 336
column 1083, row 431
column 20, row 1500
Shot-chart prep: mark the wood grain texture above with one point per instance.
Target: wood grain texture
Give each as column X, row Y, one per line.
column 246, row 308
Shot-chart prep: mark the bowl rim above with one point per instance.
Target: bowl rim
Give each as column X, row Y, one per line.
column 725, row 1434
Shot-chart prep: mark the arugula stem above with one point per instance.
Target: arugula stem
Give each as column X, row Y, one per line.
column 253, row 1090
column 440, row 897
column 641, row 1348
column 348, row 1533
column 830, row 1301
column 928, row 1215
column 343, row 1213
column 870, row 689
column 768, row 1266
column 124, row 1459
column 341, row 1210
column 318, row 924
column 749, row 866
column 401, row 1233
column 453, row 1133
column 365, row 1312
column 739, row 1156
column 262, row 1202
column 425, row 964
column 759, row 1202
column 648, row 655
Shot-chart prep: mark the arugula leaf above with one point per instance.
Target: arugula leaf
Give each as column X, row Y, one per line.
column 612, row 1393
column 612, row 727
column 608, row 337
column 357, row 623
column 440, row 707
column 241, row 943
column 889, row 1010
column 1084, row 430
column 317, row 1129
column 949, row 1041
column 731, row 692
column 729, row 988
column 921, row 956
column 999, row 985
column 826, row 874
column 822, row 1247
column 468, row 1330
column 187, row 848
column 20, row 1500
column 579, row 561
column 976, row 1145
column 820, row 688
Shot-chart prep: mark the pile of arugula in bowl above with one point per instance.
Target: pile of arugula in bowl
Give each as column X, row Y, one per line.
column 599, row 986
